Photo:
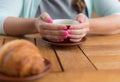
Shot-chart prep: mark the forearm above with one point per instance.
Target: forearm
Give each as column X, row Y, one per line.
column 105, row 25
column 19, row 26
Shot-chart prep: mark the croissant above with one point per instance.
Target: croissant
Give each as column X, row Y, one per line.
column 21, row 58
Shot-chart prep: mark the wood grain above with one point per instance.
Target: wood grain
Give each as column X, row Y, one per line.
column 73, row 60
column 1, row 42
column 103, row 51
column 105, row 76
column 83, row 63
column 48, row 52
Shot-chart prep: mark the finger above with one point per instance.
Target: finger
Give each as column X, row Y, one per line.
column 78, row 32
column 54, row 32
column 81, row 18
column 77, row 36
column 48, row 26
column 79, row 26
column 46, row 17
column 75, row 40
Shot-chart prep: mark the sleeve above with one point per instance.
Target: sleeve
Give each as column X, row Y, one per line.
column 106, row 7
column 9, row 8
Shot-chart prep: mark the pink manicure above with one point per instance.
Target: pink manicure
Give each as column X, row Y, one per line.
column 65, row 33
column 64, row 27
column 50, row 20
column 65, row 37
column 69, row 31
column 71, row 27
column 81, row 20
column 69, row 36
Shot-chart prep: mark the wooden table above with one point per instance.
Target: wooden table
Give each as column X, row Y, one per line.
column 96, row 60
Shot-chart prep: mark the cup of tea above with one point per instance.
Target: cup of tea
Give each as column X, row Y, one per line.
column 66, row 22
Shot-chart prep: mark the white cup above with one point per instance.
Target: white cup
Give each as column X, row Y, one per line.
column 67, row 22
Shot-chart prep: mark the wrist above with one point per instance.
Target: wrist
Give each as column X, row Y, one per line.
column 35, row 25
column 91, row 23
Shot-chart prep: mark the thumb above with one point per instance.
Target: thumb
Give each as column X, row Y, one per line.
column 81, row 18
column 46, row 17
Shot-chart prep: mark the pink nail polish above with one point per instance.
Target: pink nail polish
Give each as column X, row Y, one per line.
column 65, row 37
column 65, row 33
column 81, row 20
column 69, row 36
column 64, row 27
column 69, row 31
column 71, row 27
column 50, row 20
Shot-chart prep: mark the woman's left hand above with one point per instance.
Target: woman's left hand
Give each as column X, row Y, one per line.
column 77, row 32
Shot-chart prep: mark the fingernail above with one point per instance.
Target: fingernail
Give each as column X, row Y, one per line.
column 69, row 31
column 81, row 20
column 64, row 27
column 65, row 33
column 69, row 36
column 71, row 27
column 50, row 20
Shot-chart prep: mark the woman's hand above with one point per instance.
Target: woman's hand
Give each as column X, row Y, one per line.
column 52, row 32
column 77, row 32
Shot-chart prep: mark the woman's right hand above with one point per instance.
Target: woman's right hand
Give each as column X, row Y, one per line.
column 50, row 31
